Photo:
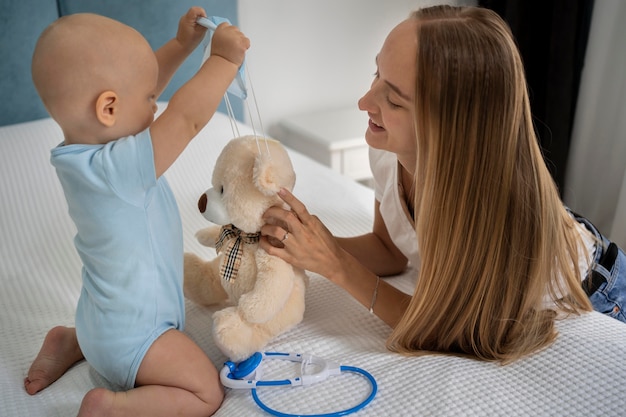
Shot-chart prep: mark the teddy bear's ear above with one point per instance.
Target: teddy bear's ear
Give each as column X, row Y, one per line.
column 272, row 172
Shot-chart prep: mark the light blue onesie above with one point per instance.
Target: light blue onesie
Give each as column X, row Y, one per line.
column 129, row 238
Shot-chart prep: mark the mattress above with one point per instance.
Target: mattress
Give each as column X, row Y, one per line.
column 582, row 374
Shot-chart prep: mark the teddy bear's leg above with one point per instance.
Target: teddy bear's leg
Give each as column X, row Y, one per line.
column 202, row 283
column 291, row 313
column 237, row 338
column 274, row 284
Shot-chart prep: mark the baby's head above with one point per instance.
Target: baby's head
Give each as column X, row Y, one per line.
column 92, row 73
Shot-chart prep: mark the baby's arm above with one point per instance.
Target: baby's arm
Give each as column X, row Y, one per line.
column 171, row 55
column 193, row 105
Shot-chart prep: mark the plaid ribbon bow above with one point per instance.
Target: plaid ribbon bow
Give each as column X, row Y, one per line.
column 233, row 238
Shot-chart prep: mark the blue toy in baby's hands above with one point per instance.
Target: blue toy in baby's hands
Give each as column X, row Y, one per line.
column 238, row 86
column 208, row 23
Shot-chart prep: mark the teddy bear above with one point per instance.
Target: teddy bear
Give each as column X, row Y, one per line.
column 263, row 293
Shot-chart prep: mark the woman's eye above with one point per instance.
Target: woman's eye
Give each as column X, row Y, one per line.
column 392, row 104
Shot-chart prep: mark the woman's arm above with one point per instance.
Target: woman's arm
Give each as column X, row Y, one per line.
column 376, row 250
column 309, row 245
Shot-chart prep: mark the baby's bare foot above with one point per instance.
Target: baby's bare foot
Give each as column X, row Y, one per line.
column 58, row 353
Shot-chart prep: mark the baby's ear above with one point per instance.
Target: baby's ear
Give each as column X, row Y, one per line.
column 106, row 108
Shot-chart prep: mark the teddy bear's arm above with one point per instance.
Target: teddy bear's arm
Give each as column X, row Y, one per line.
column 274, row 284
column 202, row 283
column 208, row 235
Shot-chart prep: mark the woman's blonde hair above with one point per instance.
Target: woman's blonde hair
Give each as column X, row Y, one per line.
column 496, row 241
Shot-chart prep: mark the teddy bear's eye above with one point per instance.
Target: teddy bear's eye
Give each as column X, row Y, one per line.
column 222, row 190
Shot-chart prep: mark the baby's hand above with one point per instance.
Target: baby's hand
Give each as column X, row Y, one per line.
column 229, row 43
column 190, row 34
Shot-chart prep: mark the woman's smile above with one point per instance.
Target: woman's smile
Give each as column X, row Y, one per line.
column 375, row 127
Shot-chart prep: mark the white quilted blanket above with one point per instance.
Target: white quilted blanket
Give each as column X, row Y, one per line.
column 582, row 374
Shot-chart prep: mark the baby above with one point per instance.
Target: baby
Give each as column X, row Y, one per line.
column 99, row 80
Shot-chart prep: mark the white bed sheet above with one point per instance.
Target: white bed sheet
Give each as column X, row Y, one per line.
column 582, row 374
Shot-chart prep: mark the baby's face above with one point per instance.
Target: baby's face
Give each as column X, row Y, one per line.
column 139, row 102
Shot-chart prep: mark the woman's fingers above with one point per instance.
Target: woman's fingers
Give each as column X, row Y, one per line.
column 274, row 233
column 297, row 207
column 289, row 220
column 285, row 219
column 283, row 229
column 299, row 238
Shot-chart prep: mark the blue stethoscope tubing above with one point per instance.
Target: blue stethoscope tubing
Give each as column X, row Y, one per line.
column 335, row 413
column 232, row 376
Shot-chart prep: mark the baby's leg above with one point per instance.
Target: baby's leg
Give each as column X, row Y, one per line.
column 175, row 378
column 58, row 353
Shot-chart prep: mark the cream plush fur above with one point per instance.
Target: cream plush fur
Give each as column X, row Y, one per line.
column 267, row 295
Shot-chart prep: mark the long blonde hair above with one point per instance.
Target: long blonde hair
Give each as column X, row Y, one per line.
column 495, row 239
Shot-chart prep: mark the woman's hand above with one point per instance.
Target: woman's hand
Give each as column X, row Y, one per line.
column 300, row 238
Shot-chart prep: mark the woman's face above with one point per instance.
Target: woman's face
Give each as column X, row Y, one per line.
column 390, row 100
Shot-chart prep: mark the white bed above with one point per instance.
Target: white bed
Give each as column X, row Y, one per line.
column 582, row 374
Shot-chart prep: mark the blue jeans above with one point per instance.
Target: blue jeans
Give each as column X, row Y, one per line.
column 606, row 283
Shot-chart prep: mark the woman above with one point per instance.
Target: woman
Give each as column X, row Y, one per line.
column 460, row 176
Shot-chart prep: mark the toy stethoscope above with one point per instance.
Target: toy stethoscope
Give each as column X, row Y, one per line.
column 247, row 374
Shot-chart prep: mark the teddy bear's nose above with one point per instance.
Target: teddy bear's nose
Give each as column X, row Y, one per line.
column 202, row 203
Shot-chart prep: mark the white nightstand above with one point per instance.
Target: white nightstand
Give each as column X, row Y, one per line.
column 335, row 138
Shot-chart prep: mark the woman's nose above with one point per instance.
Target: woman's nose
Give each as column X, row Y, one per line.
column 364, row 102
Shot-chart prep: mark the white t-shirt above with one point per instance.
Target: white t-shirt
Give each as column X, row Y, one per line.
column 390, row 194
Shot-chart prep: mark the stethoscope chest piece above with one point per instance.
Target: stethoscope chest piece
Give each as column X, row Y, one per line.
column 247, row 369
